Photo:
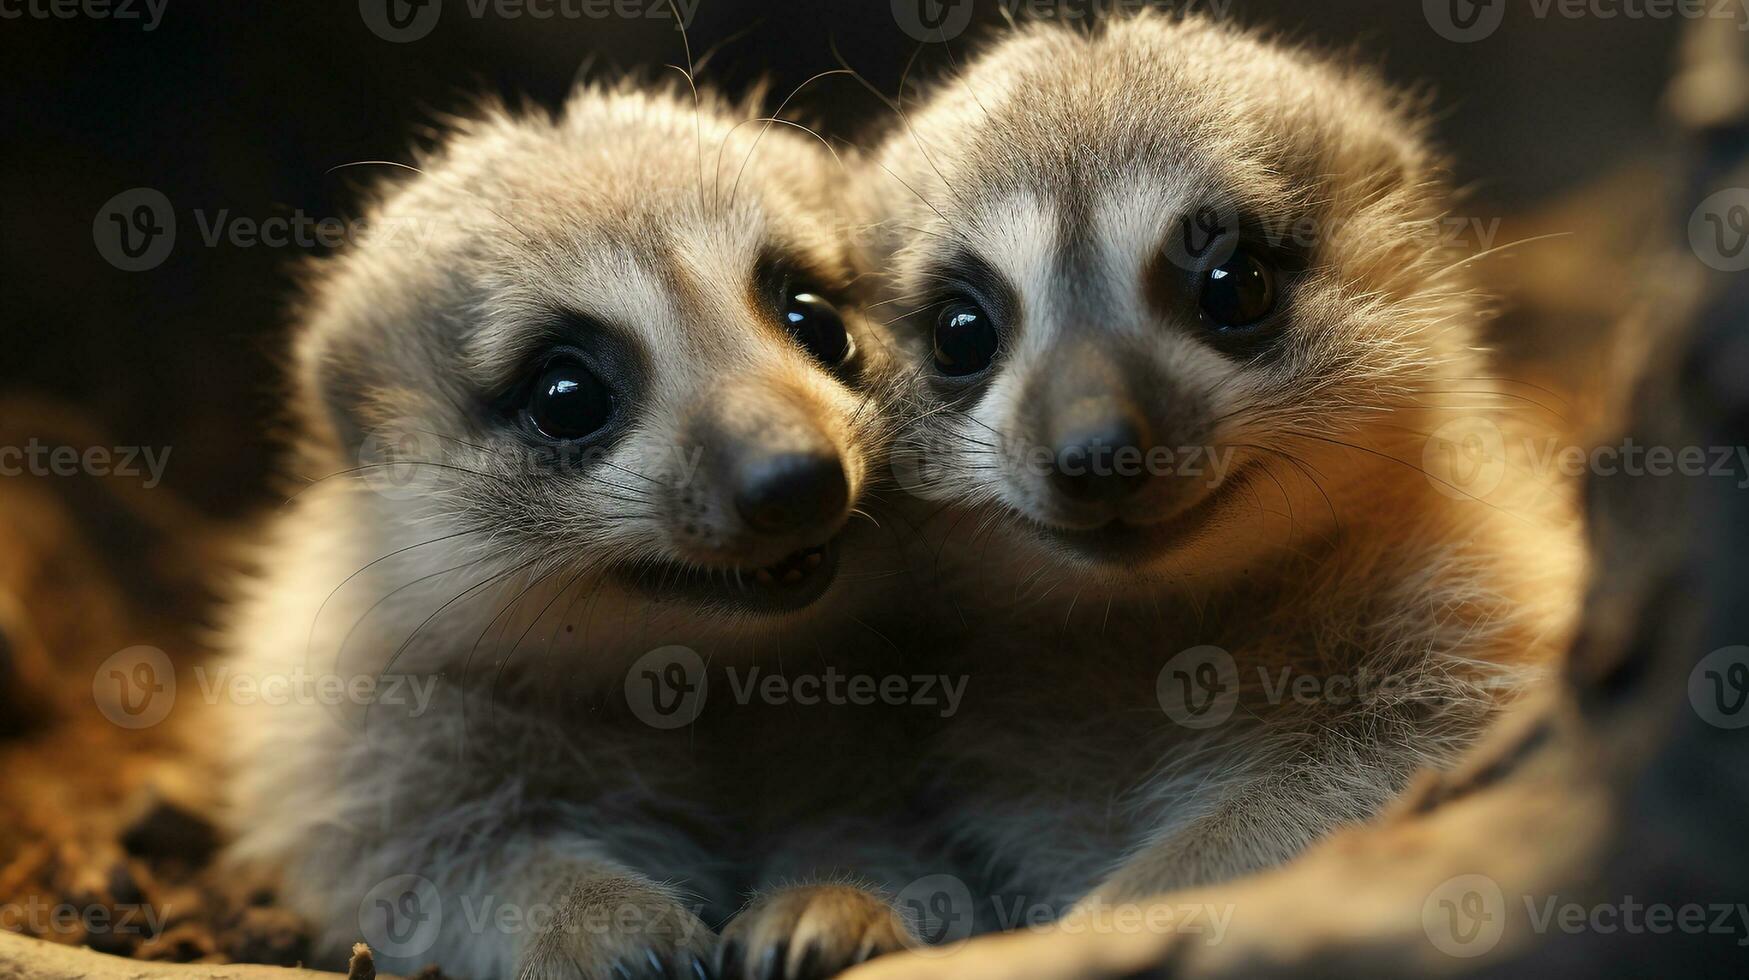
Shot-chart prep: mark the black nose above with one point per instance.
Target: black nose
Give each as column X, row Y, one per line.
column 791, row 493
column 1100, row 457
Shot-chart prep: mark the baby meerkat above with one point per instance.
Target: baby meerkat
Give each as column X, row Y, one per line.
column 586, row 410
column 1200, row 380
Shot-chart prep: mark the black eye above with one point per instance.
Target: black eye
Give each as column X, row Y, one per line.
column 965, row 339
column 1240, row 291
column 569, row 402
column 816, row 325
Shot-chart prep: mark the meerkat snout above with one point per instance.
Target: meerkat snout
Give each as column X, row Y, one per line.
column 783, row 483
column 1104, row 421
column 792, row 493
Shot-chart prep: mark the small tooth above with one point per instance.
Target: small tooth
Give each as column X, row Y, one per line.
column 815, row 559
column 792, row 576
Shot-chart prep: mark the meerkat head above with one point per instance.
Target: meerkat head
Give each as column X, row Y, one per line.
column 1164, row 287
column 617, row 345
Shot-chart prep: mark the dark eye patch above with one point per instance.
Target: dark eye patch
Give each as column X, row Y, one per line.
column 1234, row 288
column 969, row 310
column 606, row 362
column 806, row 303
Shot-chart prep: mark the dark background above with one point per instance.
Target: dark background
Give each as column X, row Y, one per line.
column 245, row 105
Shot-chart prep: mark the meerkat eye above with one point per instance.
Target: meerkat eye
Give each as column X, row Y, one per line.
column 965, row 339
column 569, row 402
column 816, row 325
column 1240, row 291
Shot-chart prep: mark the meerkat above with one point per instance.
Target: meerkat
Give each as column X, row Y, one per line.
column 592, row 392
column 1217, row 459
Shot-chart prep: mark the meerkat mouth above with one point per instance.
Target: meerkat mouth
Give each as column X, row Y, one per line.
column 794, row 582
column 1122, row 542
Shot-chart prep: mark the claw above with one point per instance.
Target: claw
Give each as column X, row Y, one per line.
column 810, row 968
column 693, row 967
column 771, row 964
column 729, row 960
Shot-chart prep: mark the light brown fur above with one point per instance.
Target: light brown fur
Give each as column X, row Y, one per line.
column 521, row 778
column 1344, row 542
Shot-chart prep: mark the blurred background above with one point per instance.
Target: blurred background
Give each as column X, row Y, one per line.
column 239, row 110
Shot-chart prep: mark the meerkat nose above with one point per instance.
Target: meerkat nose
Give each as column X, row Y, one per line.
column 792, row 493
column 1098, row 449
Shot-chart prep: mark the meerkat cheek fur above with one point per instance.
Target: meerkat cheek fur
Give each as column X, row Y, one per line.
column 1163, row 241
column 615, row 402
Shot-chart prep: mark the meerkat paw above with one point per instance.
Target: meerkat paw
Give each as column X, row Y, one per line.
column 810, row 933
column 620, row 930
